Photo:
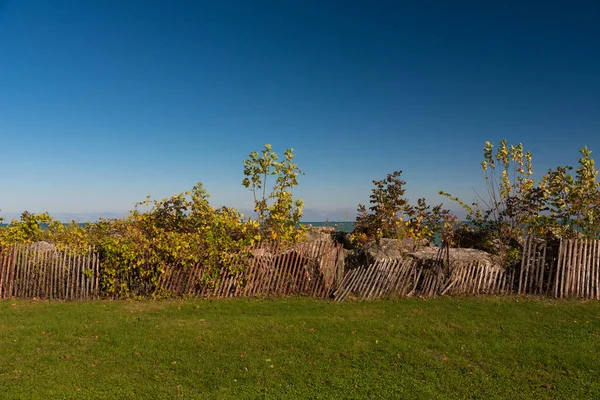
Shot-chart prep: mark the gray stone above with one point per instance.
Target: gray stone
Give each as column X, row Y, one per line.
column 319, row 233
column 457, row 256
column 386, row 249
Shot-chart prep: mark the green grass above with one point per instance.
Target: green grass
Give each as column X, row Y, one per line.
column 300, row 348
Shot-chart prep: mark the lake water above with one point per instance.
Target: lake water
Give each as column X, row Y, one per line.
column 345, row 226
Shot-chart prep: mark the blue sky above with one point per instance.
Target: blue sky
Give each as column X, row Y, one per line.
column 105, row 102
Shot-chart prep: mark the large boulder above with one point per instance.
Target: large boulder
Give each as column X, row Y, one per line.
column 385, row 249
column 456, row 256
column 393, row 248
column 319, row 233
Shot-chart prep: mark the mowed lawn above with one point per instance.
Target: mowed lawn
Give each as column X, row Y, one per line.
column 299, row 348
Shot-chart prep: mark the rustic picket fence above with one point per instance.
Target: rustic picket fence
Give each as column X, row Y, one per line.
column 577, row 273
column 47, row 273
column 572, row 269
column 308, row 268
column 411, row 277
column 311, row 268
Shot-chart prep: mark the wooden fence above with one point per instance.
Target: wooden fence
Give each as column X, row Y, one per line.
column 577, row 272
column 574, row 271
column 410, row 277
column 275, row 269
column 570, row 269
column 309, row 268
column 47, row 273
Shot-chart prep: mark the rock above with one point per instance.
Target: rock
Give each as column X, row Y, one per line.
column 386, row 249
column 457, row 256
column 393, row 248
column 319, row 233
column 344, row 238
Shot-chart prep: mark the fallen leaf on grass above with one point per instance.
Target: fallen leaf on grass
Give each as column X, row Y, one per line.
column 548, row 386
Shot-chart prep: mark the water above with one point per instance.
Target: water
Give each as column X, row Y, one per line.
column 344, row 226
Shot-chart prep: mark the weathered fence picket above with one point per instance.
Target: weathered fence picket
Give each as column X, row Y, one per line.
column 47, row 273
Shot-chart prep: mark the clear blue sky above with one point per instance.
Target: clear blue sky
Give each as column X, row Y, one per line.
column 105, row 102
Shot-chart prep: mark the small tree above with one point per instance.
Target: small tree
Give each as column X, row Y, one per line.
column 586, row 196
column 392, row 216
column 513, row 207
column 389, row 208
column 277, row 212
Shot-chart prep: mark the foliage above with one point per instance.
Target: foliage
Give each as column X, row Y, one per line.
column 513, row 203
column 560, row 205
column 513, row 207
column 181, row 231
column 33, row 227
column 278, row 213
column 392, row 216
column 185, row 231
column 574, row 201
